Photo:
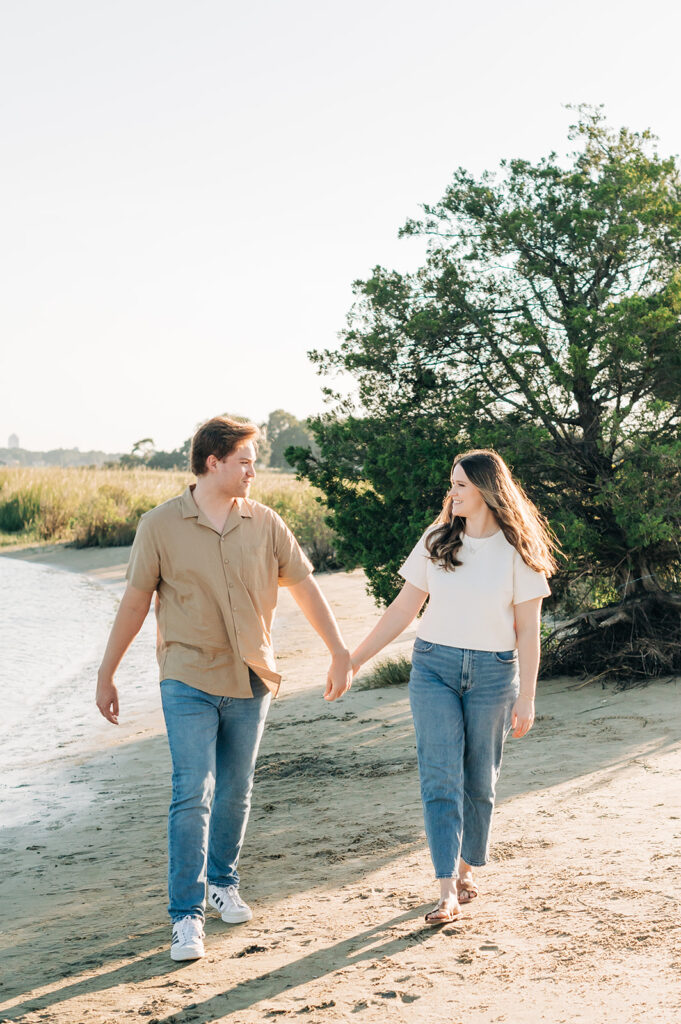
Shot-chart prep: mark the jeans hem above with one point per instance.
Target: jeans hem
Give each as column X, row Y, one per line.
column 178, row 917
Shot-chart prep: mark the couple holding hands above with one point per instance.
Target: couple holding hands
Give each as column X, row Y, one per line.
column 215, row 560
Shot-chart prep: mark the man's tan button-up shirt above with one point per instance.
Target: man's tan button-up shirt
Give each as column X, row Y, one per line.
column 217, row 592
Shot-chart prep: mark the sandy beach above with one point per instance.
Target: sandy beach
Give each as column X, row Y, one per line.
column 577, row 919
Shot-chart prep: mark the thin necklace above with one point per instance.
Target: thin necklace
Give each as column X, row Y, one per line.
column 473, row 547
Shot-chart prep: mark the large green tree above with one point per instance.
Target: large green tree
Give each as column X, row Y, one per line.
column 545, row 323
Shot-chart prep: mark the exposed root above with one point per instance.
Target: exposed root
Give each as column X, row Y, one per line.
column 629, row 643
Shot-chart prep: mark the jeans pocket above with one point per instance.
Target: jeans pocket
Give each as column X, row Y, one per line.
column 422, row 646
column 506, row 657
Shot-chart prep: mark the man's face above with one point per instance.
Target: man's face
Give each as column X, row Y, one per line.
column 233, row 475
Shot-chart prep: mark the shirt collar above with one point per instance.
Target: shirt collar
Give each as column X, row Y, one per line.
column 191, row 510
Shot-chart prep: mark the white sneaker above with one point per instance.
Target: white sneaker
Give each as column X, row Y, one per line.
column 187, row 943
column 229, row 904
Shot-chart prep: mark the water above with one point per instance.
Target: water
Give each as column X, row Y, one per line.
column 53, row 630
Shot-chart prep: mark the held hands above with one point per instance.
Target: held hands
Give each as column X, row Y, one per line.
column 106, row 698
column 339, row 677
column 522, row 716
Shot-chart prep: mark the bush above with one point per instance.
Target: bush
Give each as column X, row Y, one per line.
column 11, row 517
column 108, row 522
column 390, row 672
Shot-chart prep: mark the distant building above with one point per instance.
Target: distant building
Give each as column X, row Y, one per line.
column 13, row 441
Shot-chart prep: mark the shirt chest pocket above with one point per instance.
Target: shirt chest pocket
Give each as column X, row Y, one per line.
column 259, row 568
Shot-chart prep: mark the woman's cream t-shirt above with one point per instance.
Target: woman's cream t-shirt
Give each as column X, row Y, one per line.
column 472, row 607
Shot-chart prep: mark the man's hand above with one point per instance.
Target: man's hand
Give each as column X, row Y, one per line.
column 339, row 678
column 106, row 698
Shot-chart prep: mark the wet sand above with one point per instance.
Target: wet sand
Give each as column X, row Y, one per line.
column 577, row 920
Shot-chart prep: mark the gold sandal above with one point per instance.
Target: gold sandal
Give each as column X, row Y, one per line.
column 466, row 889
column 451, row 910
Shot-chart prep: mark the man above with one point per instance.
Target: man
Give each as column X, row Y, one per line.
column 215, row 560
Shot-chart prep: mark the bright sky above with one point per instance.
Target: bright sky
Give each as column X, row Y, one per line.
column 190, row 187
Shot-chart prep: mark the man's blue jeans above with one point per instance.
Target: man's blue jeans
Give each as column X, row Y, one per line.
column 213, row 746
column 461, row 701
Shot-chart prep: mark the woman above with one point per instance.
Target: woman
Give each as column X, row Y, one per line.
column 483, row 563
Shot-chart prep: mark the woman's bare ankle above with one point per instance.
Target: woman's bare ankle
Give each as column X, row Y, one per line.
column 464, row 868
column 448, row 890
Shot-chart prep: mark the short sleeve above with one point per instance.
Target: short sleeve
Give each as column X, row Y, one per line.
column 294, row 565
column 144, row 566
column 527, row 582
column 415, row 568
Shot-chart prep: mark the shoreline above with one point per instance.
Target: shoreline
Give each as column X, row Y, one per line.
column 107, row 565
column 336, row 866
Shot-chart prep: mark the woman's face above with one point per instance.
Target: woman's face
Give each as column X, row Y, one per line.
column 466, row 498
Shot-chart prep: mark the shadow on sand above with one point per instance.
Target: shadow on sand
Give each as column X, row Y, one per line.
column 317, row 760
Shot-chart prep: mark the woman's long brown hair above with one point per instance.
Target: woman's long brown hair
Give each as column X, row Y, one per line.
column 522, row 524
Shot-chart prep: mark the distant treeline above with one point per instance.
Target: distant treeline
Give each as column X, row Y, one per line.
column 56, row 457
column 281, row 431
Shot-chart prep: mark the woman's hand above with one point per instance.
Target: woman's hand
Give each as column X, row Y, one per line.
column 522, row 716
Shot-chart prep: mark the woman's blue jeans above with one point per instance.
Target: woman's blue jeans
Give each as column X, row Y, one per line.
column 213, row 746
column 461, row 701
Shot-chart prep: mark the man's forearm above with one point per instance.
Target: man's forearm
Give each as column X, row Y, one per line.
column 127, row 624
column 316, row 610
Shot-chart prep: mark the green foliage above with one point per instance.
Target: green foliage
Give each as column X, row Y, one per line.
column 19, row 512
column 544, row 322
column 390, row 672
column 384, row 484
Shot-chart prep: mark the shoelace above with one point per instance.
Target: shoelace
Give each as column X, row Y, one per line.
column 234, row 893
column 188, row 929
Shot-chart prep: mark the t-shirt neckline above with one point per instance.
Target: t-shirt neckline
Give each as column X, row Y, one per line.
column 475, row 541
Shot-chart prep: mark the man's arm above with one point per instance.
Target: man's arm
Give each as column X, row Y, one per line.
column 131, row 614
column 315, row 608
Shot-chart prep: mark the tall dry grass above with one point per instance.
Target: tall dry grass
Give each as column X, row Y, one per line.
column 102, row 507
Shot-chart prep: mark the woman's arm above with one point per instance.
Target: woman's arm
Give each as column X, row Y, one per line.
column 395, row 619
column 527, row 622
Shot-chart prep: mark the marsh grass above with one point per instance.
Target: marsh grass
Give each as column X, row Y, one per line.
column 390, row 672
column 102, row 507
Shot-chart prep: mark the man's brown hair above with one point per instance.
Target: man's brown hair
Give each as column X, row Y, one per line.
column 219, row 437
